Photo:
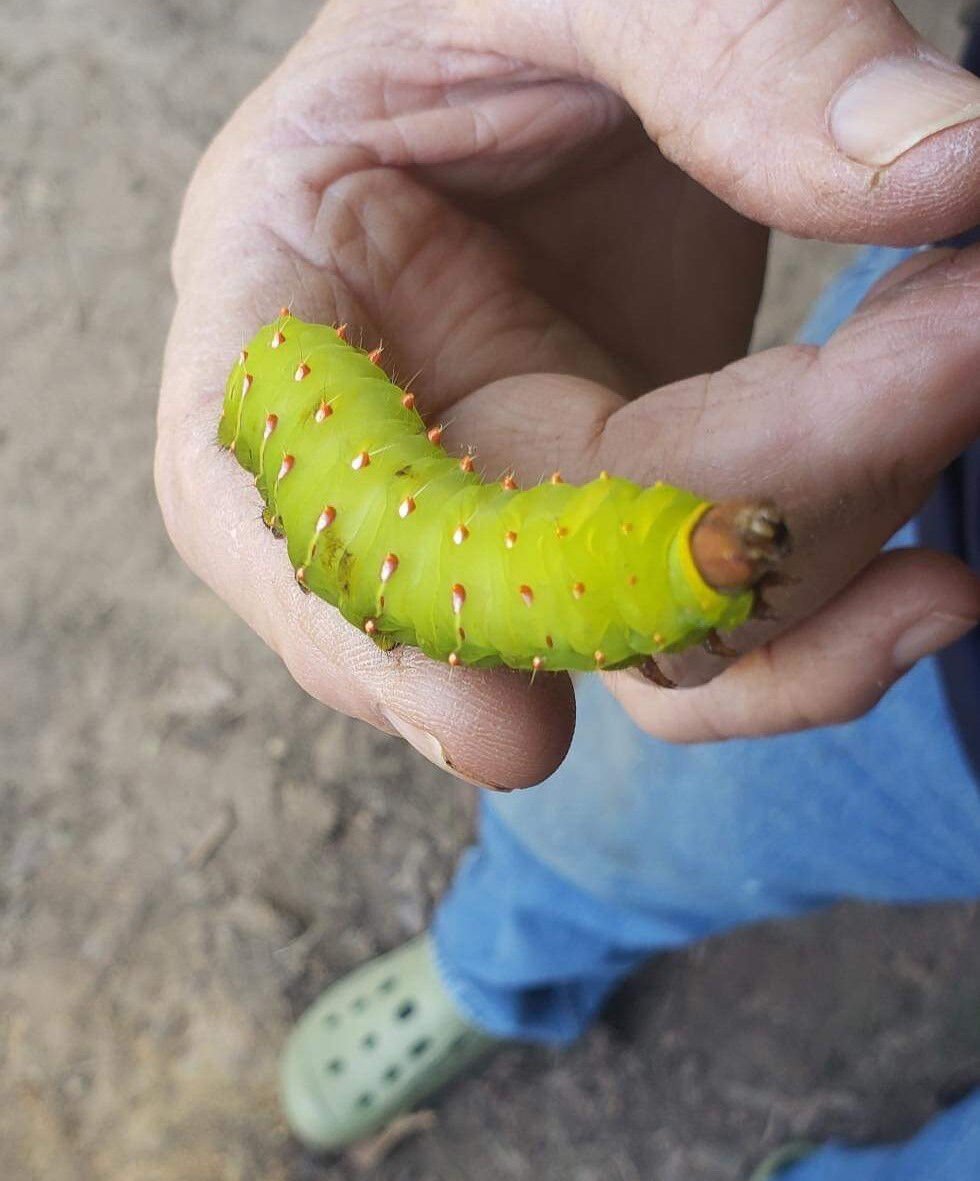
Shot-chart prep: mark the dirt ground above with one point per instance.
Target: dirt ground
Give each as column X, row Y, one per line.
column 190, row 849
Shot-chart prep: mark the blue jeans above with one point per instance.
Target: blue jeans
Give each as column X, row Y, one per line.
column 635, row 846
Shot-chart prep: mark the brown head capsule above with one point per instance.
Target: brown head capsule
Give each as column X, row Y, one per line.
column 736, row 542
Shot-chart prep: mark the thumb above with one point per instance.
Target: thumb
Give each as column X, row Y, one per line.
column 829, row 118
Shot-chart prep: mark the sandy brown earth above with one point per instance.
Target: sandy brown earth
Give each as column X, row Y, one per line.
column 190, row 848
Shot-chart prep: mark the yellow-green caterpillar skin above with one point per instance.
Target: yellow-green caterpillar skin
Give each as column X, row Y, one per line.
column 414, row 547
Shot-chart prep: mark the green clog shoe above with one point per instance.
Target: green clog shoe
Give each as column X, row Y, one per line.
column 374, row 1045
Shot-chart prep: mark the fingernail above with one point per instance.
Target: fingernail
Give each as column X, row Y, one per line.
column 428, row 745
column 929, row 635
column 896, row 103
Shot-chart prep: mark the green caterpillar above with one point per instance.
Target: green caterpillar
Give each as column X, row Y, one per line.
column 414, row 547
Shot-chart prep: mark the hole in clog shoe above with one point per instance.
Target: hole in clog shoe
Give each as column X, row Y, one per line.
column 335, row 1066
column 369, row 1041
column 421, row 1047
column 392, row 1074
column 388, row 984
column 405, row 1010
column 365, row 1100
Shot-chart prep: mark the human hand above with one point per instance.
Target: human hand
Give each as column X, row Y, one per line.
column 477, row 185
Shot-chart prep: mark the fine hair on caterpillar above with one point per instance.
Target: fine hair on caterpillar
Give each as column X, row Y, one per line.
column 414, row 546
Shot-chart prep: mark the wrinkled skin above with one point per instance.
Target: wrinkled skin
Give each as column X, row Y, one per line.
column 549, row 212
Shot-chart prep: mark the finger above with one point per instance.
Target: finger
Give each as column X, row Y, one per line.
column 828, row 118
column 902, row 376
column 494, row 728
column 846, row 440
column 832, row 668
column 865, row 423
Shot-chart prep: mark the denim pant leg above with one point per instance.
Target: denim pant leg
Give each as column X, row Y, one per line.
column 636, row 846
